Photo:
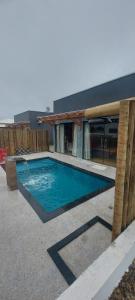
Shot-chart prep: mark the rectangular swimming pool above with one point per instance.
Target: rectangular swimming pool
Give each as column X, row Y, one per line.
column 53, row 187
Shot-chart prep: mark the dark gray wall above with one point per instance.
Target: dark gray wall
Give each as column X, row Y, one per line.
column 33, row 118
column 22, row 117
column 120, row 88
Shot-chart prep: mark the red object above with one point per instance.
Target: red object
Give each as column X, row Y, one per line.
column 3, row 154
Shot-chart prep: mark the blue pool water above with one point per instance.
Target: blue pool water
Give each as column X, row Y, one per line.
column 54, row 185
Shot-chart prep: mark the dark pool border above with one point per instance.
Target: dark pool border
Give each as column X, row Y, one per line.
column 47, row 216
column 54, row 250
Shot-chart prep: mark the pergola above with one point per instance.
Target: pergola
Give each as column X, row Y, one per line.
column 124, row 205
column 76, row 116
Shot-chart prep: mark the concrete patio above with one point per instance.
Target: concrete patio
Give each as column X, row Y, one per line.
column 26, row 269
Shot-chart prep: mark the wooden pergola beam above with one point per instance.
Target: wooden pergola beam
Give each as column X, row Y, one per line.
column 110, row 109
column 61, row 117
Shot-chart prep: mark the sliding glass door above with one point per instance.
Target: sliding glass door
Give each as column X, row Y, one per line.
column 100, row 140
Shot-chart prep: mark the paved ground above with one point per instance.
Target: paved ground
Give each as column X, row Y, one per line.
column 83, row 250
column 26, row 270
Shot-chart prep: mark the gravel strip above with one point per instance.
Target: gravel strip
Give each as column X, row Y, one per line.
column 126, row 288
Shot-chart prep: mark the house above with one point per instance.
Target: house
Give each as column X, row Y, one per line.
column 90, row 138
column 31, row 117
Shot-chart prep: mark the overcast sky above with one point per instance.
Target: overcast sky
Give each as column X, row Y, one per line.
column 52, row 48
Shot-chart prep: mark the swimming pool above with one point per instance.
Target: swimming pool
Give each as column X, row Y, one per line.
column 53, row 187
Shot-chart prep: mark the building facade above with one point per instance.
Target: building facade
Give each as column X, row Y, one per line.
column 93, row 139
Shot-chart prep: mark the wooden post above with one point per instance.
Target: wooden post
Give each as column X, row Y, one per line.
column 11, row 174
column 124, row 206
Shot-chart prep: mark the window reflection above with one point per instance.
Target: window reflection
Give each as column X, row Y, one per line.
column 103, row 134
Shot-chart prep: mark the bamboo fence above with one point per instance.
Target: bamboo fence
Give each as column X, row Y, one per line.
column 23, row 140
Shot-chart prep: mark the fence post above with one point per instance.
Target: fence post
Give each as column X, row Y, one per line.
column 124, row 206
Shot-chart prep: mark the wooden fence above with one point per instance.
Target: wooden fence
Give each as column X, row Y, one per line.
column 23, row 140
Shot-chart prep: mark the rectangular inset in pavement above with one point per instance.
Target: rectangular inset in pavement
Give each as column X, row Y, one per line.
column 82, row 251
column 77, row 251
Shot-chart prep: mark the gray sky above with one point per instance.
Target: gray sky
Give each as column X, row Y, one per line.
column 52, row 48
